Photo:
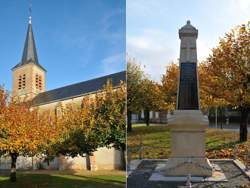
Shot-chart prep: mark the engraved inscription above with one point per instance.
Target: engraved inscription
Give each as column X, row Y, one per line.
column 188, row 92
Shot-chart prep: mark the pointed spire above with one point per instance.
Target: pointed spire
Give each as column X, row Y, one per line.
column 29, row 50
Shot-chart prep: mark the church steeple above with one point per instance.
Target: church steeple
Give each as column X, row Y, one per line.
column 29, row 50
column 28, row 74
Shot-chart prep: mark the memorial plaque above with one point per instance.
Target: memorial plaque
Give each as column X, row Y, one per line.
column 188, row 91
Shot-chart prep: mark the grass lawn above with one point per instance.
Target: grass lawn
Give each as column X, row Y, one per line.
column 58, row 179
column 159, row 136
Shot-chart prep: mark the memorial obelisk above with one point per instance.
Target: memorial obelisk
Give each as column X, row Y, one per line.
column 187, row 127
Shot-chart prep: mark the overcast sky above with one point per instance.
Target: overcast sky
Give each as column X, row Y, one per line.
column 76, row 40
column 152, row 28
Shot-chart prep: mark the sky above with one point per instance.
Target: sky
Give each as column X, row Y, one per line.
column 152, row 28
column 75, row 40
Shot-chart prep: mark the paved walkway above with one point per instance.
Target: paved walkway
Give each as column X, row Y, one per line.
column 139, row 178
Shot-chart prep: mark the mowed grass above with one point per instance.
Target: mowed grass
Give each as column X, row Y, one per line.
column 154, row 135
column 159, row 136
column 57, row 179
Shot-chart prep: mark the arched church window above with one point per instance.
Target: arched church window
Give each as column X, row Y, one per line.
column 20, row 82
column 37, row 87
column 39, row 82
column 23, row 81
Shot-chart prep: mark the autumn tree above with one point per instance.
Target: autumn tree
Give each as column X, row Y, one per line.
column 211, row 95
column 98, row 122
column 228, row 73
column 135, row 77
column 169, row 84
column 22, row 130
column 151, row 97
column 110, row 116
column 77, row 137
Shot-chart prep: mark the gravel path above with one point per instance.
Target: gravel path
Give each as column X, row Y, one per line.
column 139, row 177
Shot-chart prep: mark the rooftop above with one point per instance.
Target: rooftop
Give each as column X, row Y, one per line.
column 78, row 89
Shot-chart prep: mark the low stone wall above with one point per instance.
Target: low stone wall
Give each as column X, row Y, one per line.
column 102, row 159
column 27, row 163
column 107, row 159
column 70, row 163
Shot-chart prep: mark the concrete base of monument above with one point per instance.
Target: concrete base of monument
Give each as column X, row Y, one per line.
column 183, row 166
column 187, row 130
column 160, row 174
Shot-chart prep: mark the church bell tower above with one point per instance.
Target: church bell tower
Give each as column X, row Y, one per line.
column 28, row 76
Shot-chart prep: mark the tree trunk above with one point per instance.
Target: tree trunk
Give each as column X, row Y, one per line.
column 88, row 164
column 13, row 167
column 129, row 126
column 147, row 117
column 123, row 160
column 221, row 121
column 167, row 116
column 243, row 124
column 216, row 117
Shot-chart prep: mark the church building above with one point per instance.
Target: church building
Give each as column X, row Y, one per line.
column 29, row 81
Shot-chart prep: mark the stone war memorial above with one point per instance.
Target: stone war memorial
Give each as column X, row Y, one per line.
column 188, row 126
column 187, row 165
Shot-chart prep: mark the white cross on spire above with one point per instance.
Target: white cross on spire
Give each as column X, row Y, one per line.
column 30, row 11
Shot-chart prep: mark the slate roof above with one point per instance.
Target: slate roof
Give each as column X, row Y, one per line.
column 29, row 50
column 78, row 89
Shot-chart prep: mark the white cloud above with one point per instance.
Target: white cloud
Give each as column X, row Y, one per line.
column 152, row 50
column 113, row 63
column 152, row 28
column 146, row 8
column 204, row 48
column 241, row 6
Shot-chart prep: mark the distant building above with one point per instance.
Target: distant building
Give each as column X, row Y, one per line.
column 154, row 117
column 225, row 115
